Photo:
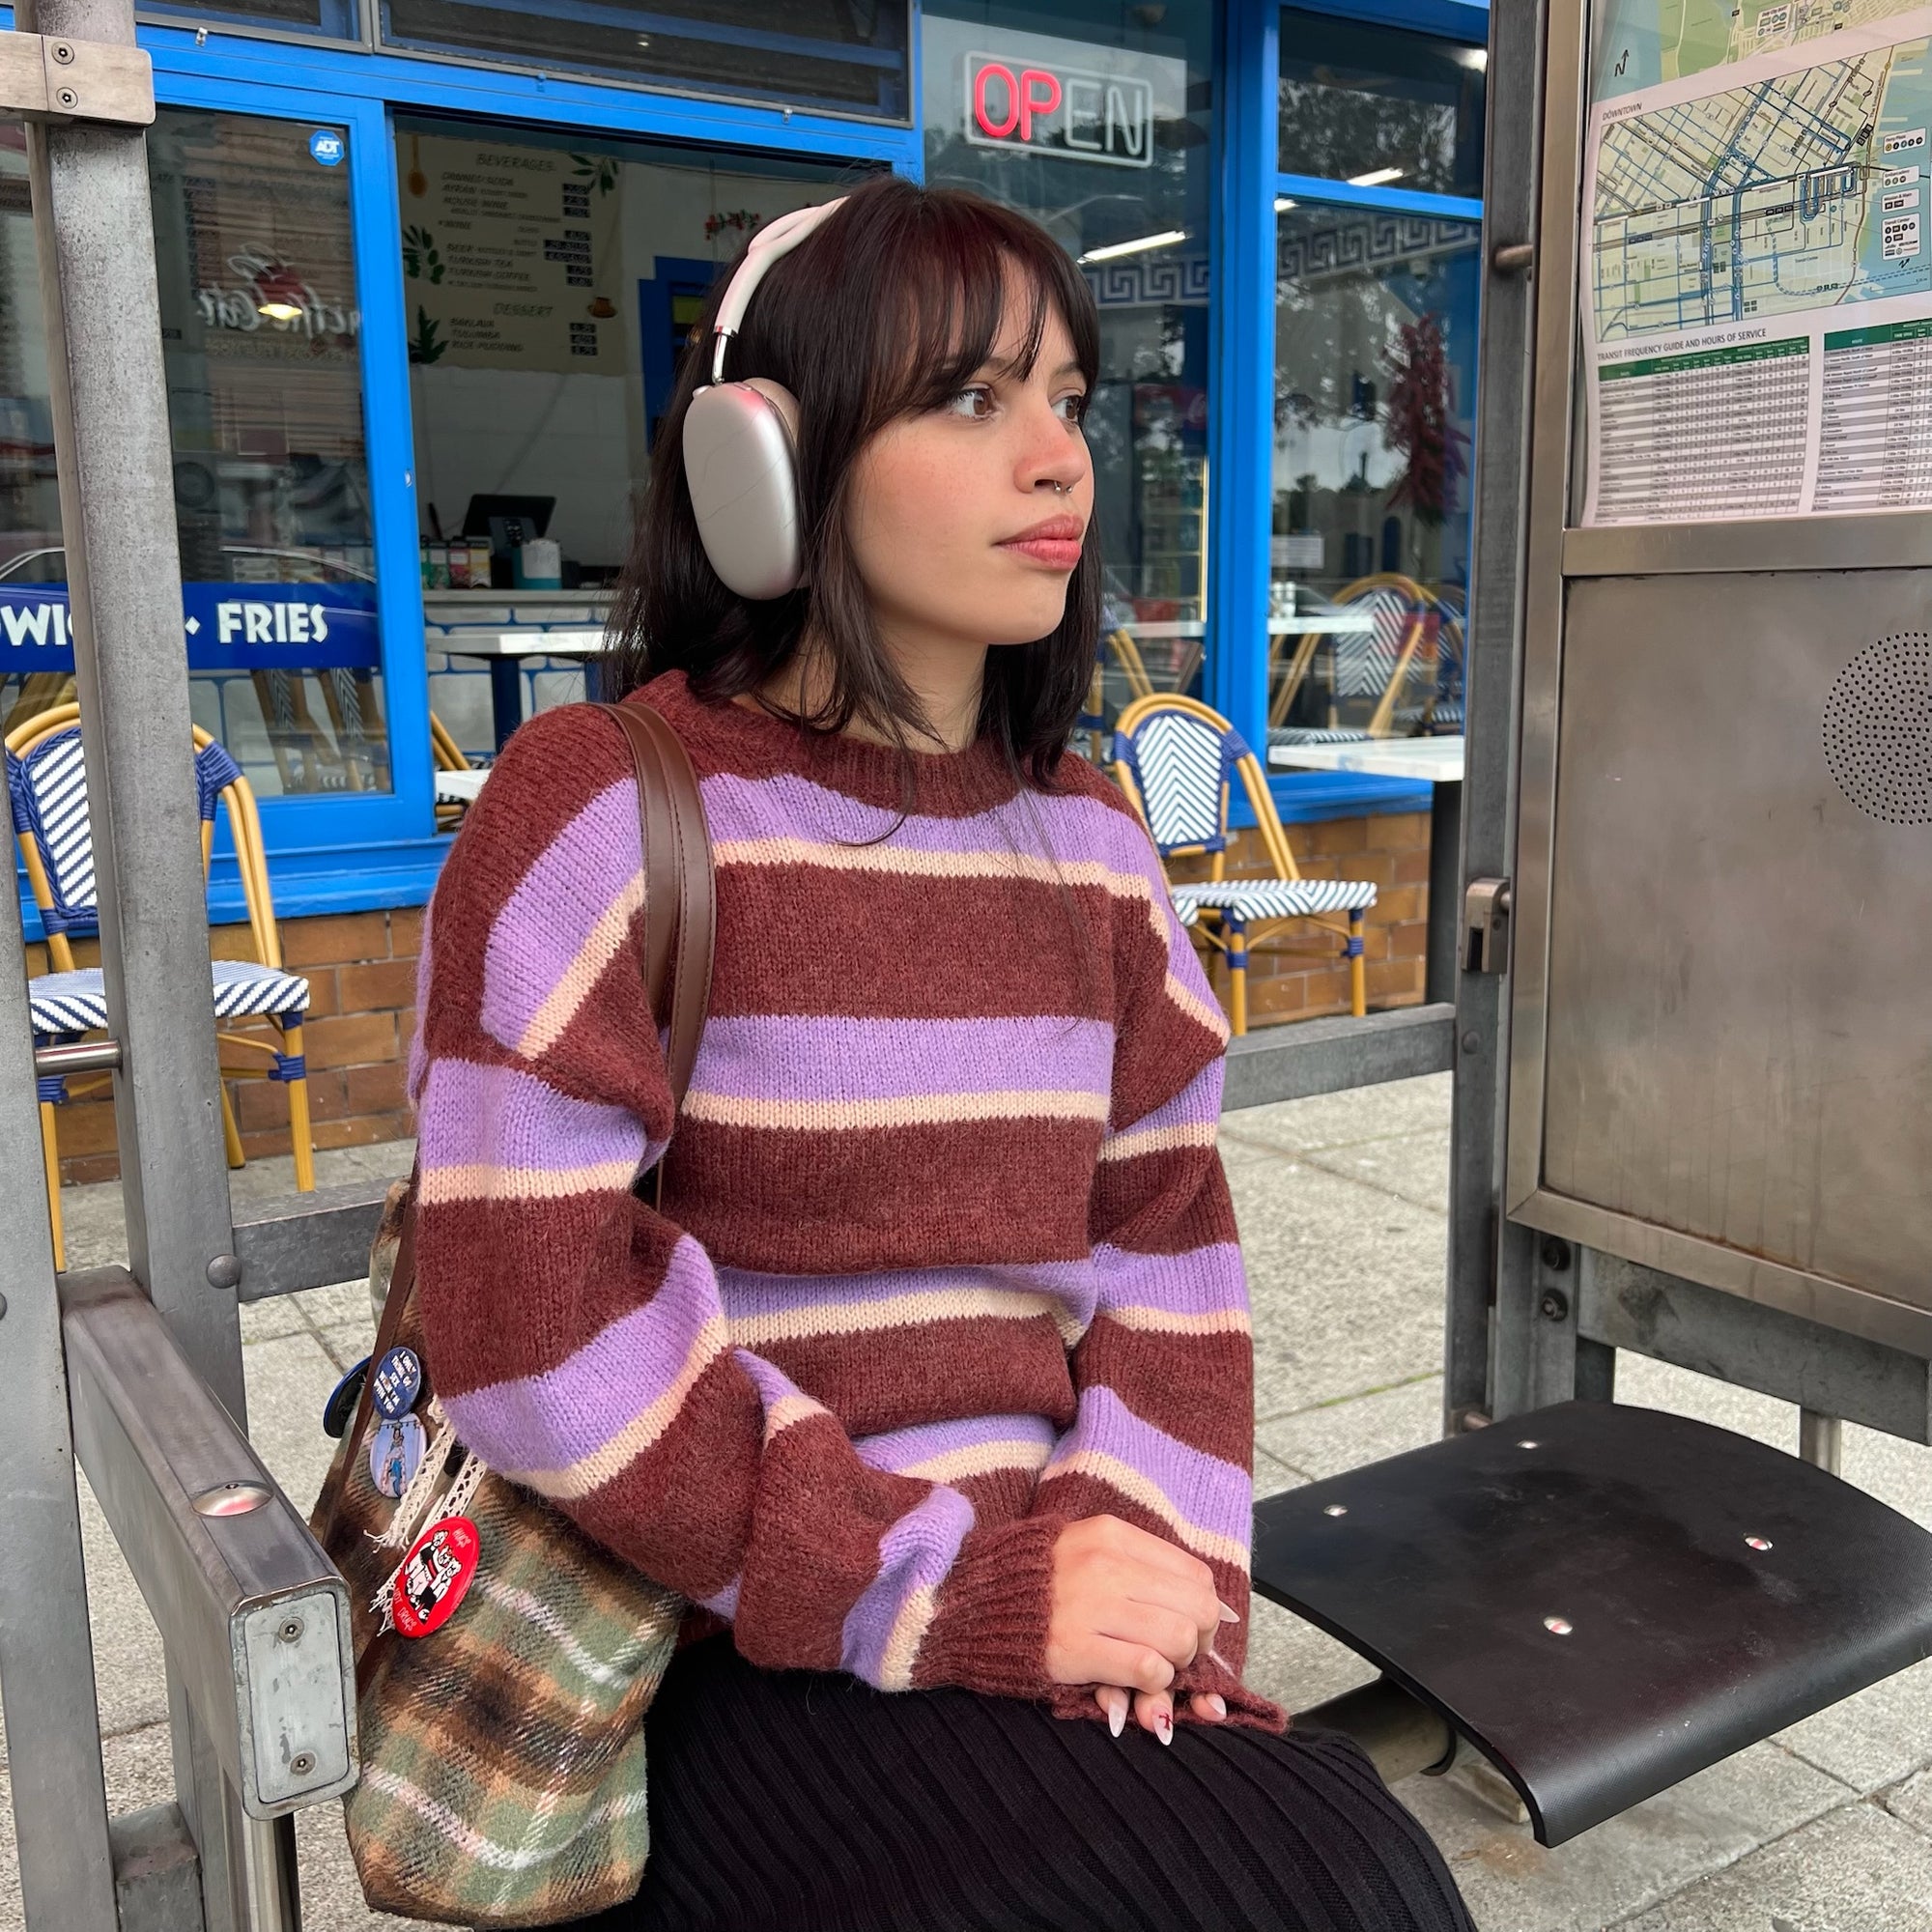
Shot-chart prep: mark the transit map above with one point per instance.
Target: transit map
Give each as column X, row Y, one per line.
column 1756, row 273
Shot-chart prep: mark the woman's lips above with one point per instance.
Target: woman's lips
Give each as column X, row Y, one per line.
column 1054, row 541
column 1056, row 552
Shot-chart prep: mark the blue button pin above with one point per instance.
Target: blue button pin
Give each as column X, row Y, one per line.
column 394, row 1387
column 342, row 1401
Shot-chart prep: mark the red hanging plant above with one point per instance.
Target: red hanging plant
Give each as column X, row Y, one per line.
column 1417, row 421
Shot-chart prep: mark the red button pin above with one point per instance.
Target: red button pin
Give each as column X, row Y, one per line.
column 435, row 1575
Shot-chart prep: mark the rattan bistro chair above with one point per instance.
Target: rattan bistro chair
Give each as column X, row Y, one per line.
column 1176, row 758
column 48, row 787
column 1392, row 661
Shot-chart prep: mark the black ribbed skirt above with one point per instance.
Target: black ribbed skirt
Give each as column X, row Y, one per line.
column 802, row 1801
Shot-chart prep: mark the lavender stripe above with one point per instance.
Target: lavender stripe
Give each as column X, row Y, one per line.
column 546, row 920
column 473, row 1113
column 1201, row 1281
column 1216, row 1496
column 900, row 1448
column 550, row 1421
column 419, row 1063
column 1063, row 825
column 747, row 1295
column 726, row 1603
column 776, row 1058
column 1195, row 1105
column 771, row 1385
column 914, row 1554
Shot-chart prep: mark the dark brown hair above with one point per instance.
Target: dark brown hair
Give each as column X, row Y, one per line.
column 891, row 308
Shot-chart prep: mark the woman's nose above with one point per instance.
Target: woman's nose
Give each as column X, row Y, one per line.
column 1056, row 455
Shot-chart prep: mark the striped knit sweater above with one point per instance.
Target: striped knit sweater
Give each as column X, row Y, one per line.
column 946, row 1256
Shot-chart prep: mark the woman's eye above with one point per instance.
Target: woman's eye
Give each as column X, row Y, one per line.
column 1072, row 409
column 976, row 403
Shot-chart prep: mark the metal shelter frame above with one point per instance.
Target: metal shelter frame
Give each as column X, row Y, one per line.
column 137, row 1372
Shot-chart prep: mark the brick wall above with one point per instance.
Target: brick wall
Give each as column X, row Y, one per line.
column 361, row 970
column 1391, row 851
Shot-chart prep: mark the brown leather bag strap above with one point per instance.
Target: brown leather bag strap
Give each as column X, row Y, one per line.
column 680, row 895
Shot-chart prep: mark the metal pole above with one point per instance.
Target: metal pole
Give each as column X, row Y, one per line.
column 1821, row 1439
column 46, row 1655
column 95, row 232
column 1488, row 1257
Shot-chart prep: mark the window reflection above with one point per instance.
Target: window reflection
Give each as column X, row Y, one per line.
column 1364, row 103
column 1375, row 390
column 261, row 339
column 1102, row 134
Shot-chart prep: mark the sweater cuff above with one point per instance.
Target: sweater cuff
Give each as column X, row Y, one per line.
column 989, row 1632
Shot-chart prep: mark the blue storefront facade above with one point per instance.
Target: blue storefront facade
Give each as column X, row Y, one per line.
column 426, row 266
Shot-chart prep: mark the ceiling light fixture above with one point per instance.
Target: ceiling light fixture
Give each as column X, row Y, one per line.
column 1475, row 57
column 279, row 311
column 1283, row 203
column 1166, row 238
column 1377, row 178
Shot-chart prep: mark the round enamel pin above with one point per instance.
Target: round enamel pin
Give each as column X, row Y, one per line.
column 340, row 1406
column 434, row 1576
column 395, row 1453
column 394, row 1386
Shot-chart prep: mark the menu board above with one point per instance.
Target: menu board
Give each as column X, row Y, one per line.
column 511, row 255
column 1756, row 275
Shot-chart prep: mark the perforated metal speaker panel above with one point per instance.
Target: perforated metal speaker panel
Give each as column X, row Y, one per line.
column 1878, row 729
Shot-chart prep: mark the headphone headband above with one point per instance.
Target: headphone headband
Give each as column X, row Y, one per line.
column 771, row 244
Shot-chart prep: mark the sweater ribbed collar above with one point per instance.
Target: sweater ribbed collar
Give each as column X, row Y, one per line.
column 737, row 737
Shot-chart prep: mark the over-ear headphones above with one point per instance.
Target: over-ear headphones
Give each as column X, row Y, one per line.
column 741, row 441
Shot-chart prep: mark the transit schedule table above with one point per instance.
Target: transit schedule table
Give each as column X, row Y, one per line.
column 1875, row 436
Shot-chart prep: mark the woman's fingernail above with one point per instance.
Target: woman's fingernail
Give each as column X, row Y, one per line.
column 1228, row 1616
column 1217, row 1704
column 1163, row 1726
column 1117, row 1716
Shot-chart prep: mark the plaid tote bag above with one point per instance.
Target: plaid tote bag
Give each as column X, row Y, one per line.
column 504, row 1661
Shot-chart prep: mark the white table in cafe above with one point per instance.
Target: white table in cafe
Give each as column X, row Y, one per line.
column 1436, row 762
column 503, row 627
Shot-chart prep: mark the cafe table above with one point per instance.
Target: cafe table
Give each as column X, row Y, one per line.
column 506, row 629
column 1436, row 762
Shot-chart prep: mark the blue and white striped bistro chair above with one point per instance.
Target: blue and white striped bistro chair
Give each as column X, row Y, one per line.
column 1391, row 661
column 1176, row 759
column 47, row 783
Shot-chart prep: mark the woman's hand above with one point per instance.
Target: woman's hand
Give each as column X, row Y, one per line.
column 1129, row 1609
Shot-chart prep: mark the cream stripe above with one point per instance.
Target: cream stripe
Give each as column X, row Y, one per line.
column 1137, row 1140
column 1210, row 1016
column 1163, row 1322
column 790, row 1409
column 909, row 1629
column 1134, row 1486
column 598, row 949
column 598, row 1670
column 490, row 1180
column 895, row 860
column 896, row 1311
column 589, row 1473
column 982, row 1458
column 489, row 1852
column 912, row 1110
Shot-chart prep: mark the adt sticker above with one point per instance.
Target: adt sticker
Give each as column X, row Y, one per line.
column 434, row 1576
column 395, row 1455
column 327, row 146
column 397, row 1377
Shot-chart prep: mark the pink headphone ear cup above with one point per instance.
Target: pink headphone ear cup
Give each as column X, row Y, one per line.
column 741, row 466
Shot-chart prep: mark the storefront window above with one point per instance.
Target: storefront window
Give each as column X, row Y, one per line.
column 327, row 19
column 1373, row 423
column 261, row 337
column 1102, row 134
column 851, row 59
column 550, row 283
column 1375, row 107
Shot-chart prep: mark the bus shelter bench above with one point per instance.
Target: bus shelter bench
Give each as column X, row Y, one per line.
column 1602, row 1599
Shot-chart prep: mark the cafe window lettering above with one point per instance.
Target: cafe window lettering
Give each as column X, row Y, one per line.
column 1105, row 139
column 262, row 345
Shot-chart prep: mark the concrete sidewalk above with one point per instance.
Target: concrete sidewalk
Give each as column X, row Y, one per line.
column 1827, row 1827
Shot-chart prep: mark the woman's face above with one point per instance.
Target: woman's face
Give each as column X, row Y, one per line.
column 966, row 521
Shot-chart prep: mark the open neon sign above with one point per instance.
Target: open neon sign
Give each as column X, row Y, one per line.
column 1058, row 110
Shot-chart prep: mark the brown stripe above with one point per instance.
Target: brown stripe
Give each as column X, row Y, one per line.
column 1198, row 1388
